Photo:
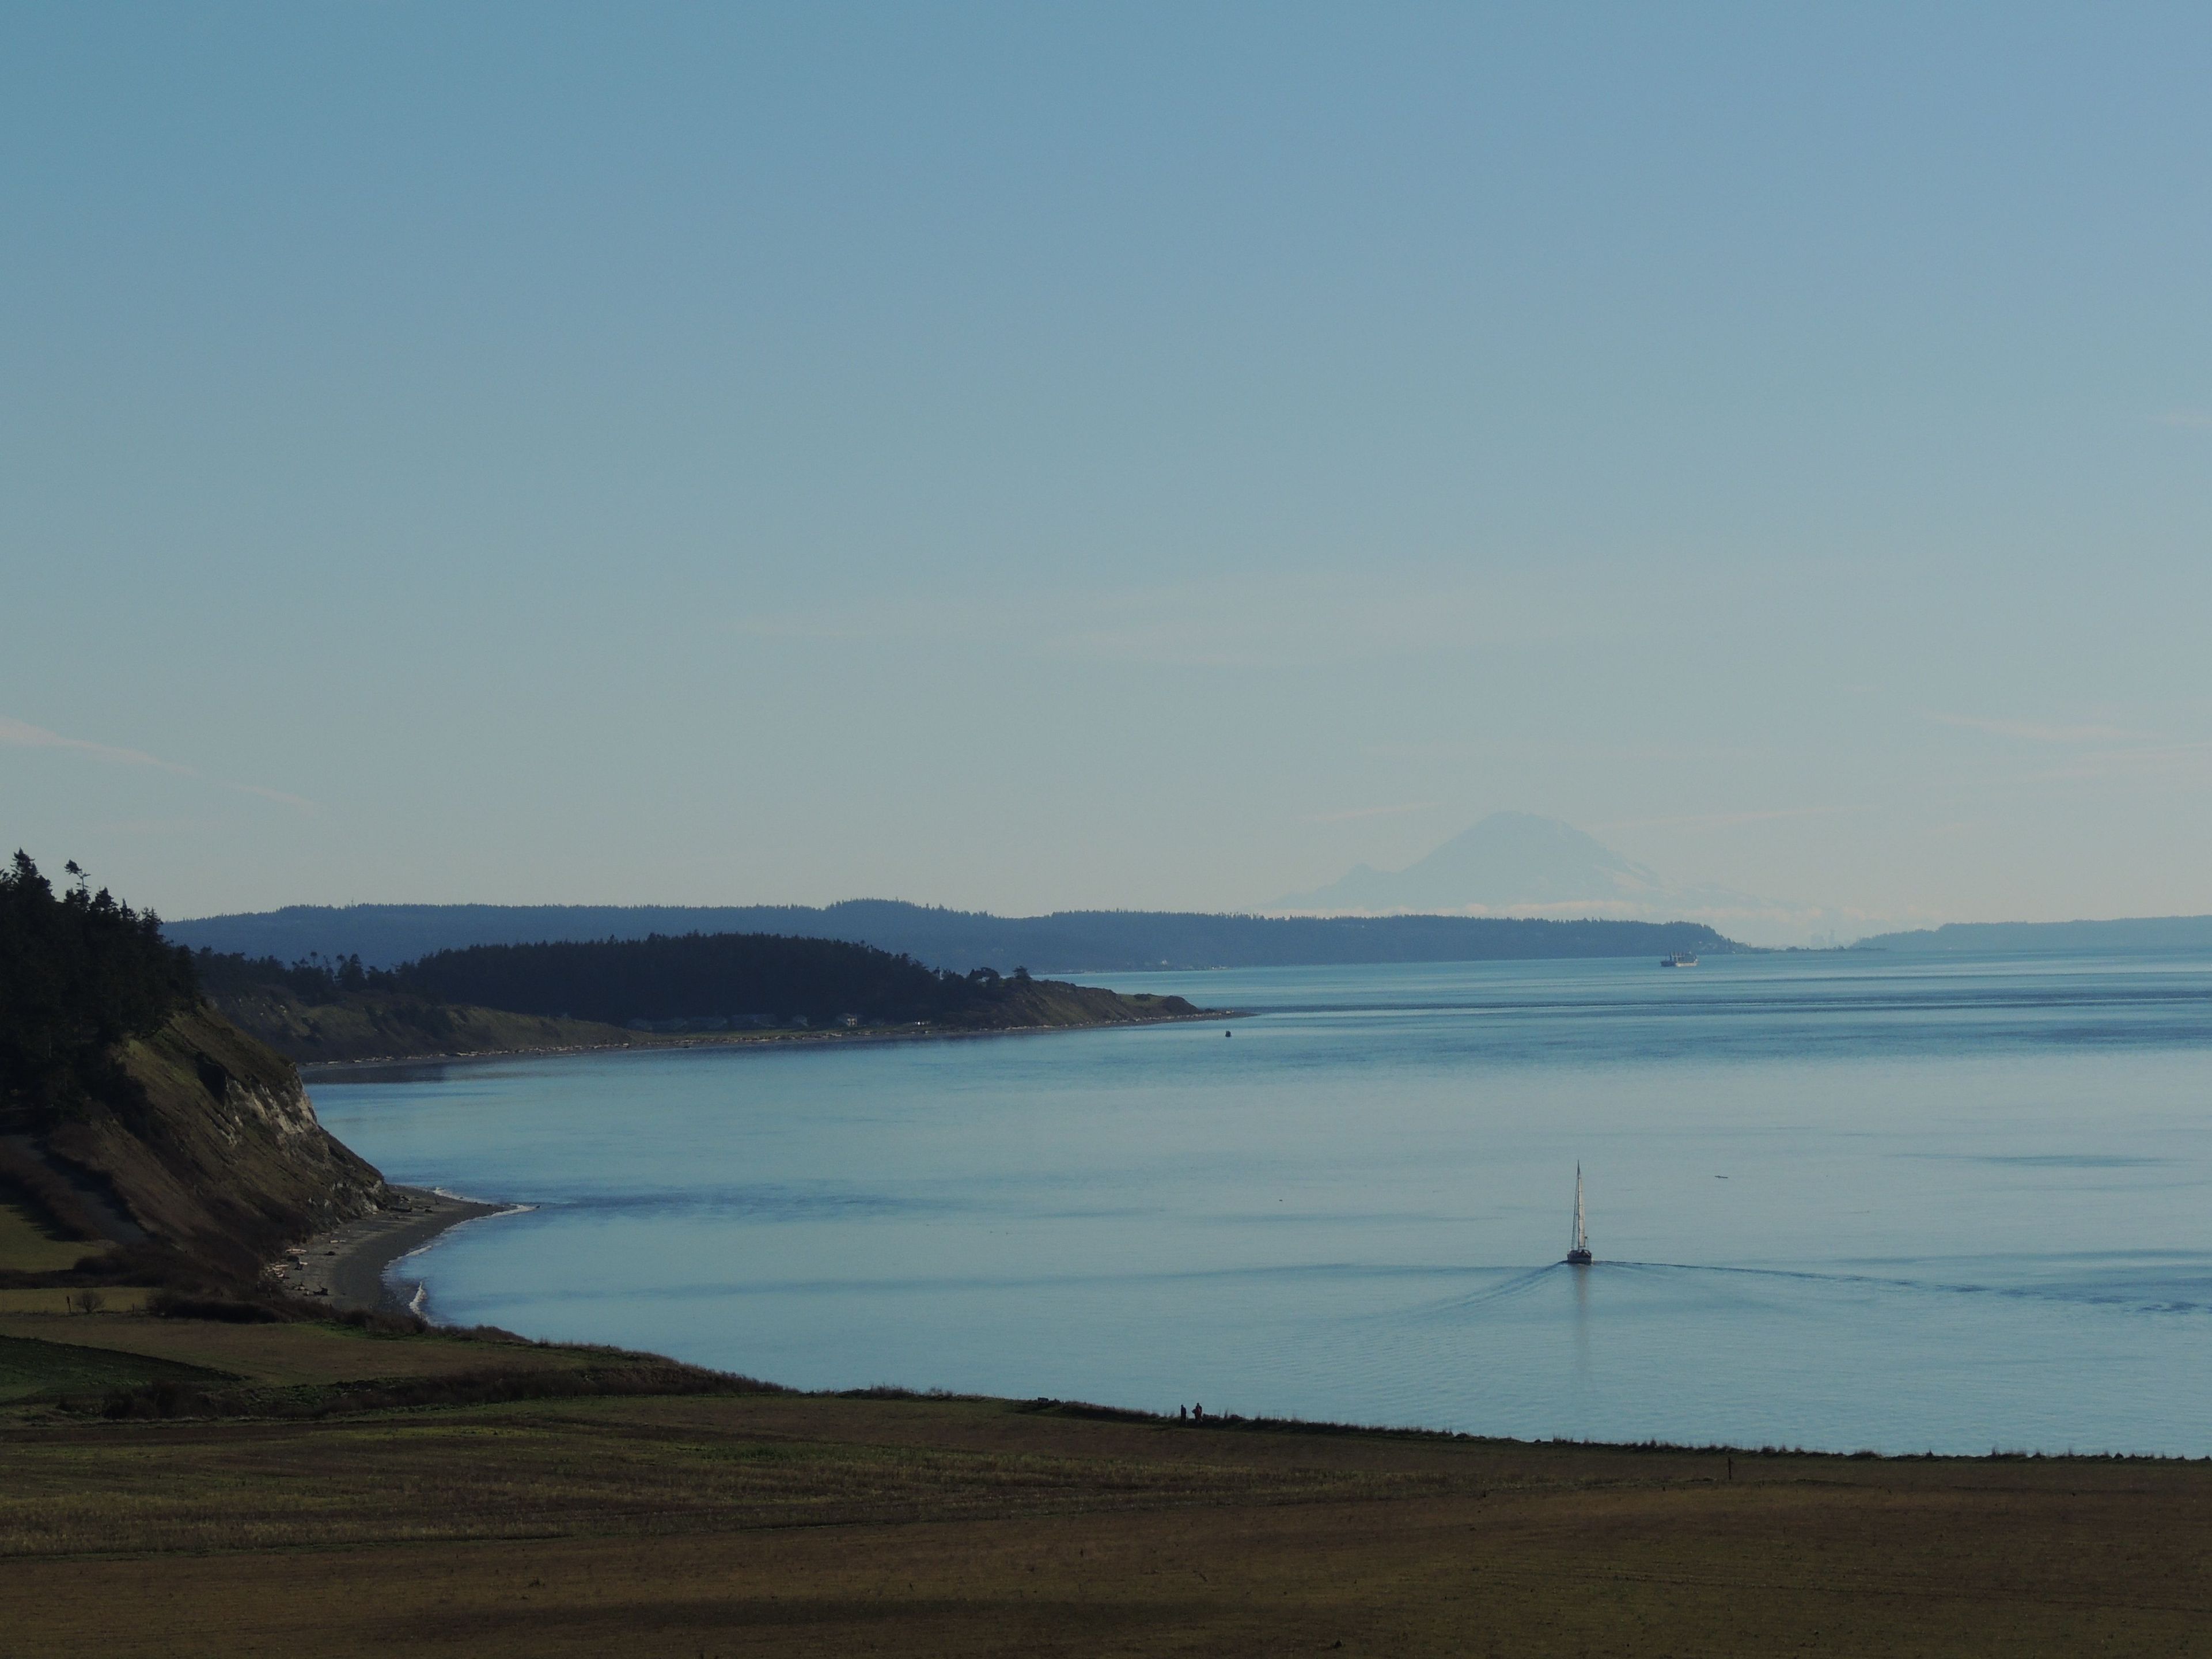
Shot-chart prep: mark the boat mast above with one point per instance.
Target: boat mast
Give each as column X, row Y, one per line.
column 1582, row 1239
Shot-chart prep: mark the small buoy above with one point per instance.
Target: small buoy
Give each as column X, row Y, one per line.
column 1229, row 1034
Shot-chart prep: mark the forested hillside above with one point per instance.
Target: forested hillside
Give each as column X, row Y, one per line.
column 705, row 975
column 80, row 973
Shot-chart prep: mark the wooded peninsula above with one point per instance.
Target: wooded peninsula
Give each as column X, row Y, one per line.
column 626, row 993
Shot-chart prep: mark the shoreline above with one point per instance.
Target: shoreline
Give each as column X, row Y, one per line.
column 310, row 1068
column 345, row 1268
column 345, row 1264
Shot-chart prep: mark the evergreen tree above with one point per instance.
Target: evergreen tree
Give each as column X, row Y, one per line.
column 80, row 972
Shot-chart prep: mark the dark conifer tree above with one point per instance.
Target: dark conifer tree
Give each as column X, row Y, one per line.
column 80, row 971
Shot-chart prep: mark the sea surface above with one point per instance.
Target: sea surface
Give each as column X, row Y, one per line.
column 1843, row 1202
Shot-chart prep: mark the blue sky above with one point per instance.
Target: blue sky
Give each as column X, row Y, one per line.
column 1031, row 457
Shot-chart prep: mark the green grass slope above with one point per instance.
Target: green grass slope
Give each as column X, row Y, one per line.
column 31, row 1244
column 32, row 1369
column 378, row 1025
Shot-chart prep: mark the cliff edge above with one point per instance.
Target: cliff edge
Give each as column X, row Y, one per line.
column 130, row 1110
column 209, row 1144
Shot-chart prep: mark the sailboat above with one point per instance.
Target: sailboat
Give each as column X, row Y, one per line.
column 1578, row 1256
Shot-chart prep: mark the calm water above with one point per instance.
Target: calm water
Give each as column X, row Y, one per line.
column 1837, row 1202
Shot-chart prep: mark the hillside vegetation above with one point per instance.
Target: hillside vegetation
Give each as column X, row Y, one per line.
column 314, row 1027
column 80, row 973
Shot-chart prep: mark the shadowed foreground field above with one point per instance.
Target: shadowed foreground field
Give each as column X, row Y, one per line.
column 791, row 1524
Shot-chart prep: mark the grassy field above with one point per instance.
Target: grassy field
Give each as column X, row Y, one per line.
column 31, row 1369
column 26, row 1246
column 55, row 1299
column 368, row 1026
column 287, row 1355
column 797, row 1524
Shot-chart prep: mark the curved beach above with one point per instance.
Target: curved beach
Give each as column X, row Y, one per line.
column 346, row 1265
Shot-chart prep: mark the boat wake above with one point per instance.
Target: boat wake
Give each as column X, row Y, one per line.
column 2127, row 1292
column 2185, row 1293
column 1512, row 1289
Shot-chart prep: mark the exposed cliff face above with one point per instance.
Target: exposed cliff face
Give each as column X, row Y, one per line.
column 210, row 1142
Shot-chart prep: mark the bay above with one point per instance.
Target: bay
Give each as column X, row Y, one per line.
column 1842, row 1201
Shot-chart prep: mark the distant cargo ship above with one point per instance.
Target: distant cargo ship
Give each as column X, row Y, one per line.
column 1680, row 959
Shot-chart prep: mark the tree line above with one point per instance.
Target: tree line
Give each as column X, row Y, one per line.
column 689, row 976
column 80, row 972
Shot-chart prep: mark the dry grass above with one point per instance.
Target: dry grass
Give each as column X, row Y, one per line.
column 54, row 1299
column 802, row 1525
column 582, row 1466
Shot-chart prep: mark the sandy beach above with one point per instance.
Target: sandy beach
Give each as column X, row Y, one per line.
column 346, row 1265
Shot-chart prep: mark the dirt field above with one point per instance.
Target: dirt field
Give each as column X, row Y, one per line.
column 804, row 1525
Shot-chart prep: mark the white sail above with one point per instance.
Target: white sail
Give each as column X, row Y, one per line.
column 1578, row 1253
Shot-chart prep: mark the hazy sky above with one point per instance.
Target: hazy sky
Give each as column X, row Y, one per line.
column 1035, row 456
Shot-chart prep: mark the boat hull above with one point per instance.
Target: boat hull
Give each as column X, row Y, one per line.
column 1578, row 1258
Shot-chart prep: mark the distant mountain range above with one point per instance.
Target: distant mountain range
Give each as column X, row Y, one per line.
column 2125, row 934
column 1069, row 941
column 1517, row 864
